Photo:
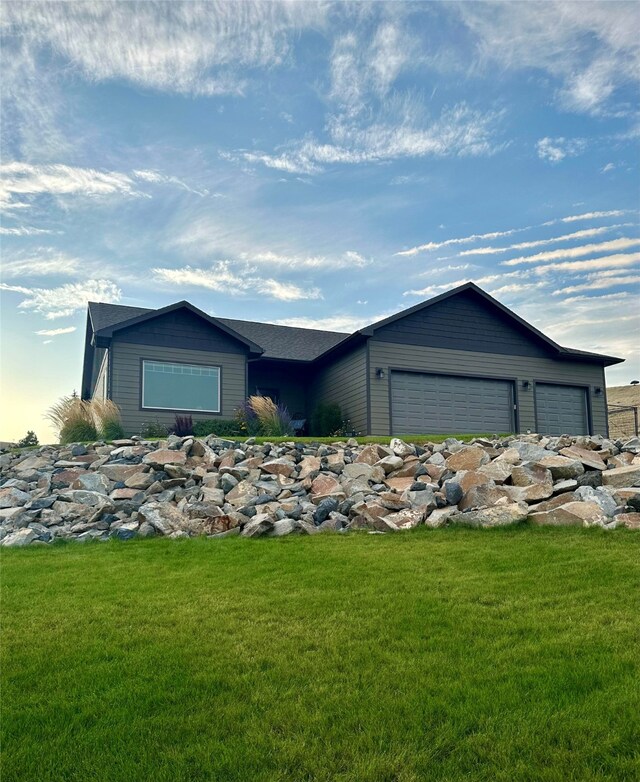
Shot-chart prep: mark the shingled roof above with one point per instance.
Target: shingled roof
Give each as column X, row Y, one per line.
column 298, row 344
column 288, row 342
column 103, row 316
column 279, row 342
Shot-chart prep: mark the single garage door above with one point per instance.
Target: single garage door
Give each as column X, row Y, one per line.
column 561, row 409
column 425, row 404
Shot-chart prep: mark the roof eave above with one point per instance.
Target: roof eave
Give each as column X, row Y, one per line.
column 567, row 354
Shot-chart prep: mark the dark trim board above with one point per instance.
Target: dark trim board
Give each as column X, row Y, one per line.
column 470, row 375
column 584, row 387
column 368, row 387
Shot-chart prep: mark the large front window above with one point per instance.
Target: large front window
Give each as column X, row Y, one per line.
column 167, row 386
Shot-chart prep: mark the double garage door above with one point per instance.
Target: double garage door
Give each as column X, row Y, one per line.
column 424, row 404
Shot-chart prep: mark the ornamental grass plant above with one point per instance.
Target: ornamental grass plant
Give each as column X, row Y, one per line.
column 78, row 420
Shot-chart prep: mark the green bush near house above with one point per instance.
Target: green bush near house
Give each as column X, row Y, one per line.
column 326, row 419
column 429, row 656
column 219, row 427
column 153, row 430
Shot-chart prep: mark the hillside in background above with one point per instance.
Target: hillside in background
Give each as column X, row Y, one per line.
column 622, row 423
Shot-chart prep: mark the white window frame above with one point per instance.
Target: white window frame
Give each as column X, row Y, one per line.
column 182, row 364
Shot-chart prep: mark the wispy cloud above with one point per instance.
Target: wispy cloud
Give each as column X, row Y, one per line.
column 574, row 252
column 348, row 259
column 428, row 246
column 189, row 48
column 26, row 230
column 461, row 240
column 341, row 322
column 619, row 260
column 55, row 332
column 599, row 282
column 516, row 287
column 460, row 131
column 556, row 149
column 157, row 178
column 26, row 180
column 41, row 263
column 586, row 233
column 222, row 278
column 589, row 216
column 207, row 236
column 66, row 299
column 589, row 49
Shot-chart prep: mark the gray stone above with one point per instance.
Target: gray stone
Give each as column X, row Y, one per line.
column 326, row 507
column 402, row 449
column 561, row 467
column 283, row 527
column 20, row 538
column 528, row 452
column 580, row 514
column 600, row 496
column 500, row 515
column 535, row 480
column 622, row 477
column 390, row 463
column 453, row 491
column 259, row 525
column 631, row 446
column 13, row 498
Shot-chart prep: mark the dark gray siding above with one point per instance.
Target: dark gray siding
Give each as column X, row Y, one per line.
column 344, row 381
column 181, row 329
column 125, row 380
column 463, row 322
column 481, row 364
column 290, row 380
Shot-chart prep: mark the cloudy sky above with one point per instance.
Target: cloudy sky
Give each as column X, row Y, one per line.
column 313, row 164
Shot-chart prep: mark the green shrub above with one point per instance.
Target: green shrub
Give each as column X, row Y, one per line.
column 153, row 430
column 112, row 430
column 30, row 439
column 326, row 419
column 219, row 427
column 77, row 430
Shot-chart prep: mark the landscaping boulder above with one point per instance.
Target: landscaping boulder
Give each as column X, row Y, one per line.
column 499, row 515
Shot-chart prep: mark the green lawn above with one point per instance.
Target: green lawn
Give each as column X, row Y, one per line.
column 431, row 655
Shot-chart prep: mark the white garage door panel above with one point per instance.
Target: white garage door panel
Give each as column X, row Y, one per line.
column 561, row 409
column 423, row 404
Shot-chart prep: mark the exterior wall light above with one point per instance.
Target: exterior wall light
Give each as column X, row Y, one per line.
column 379, row 373
column 597, row 390
column 526, row 385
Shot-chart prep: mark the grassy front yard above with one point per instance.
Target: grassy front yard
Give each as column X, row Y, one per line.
column 430, row 655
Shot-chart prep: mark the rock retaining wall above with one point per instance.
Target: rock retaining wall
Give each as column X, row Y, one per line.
column 183, row 487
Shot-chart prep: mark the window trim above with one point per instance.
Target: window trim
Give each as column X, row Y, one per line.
column 180, row 409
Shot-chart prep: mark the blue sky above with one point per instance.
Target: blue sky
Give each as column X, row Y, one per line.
column 313, row 164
